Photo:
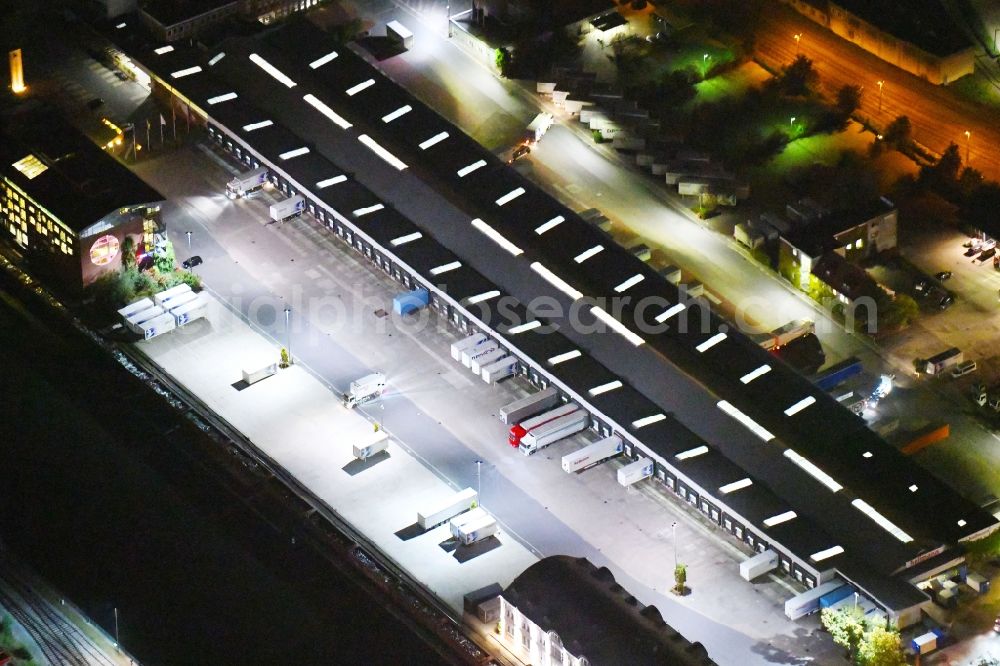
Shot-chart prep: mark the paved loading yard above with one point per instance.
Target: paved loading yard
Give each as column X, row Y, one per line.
column 586, row 514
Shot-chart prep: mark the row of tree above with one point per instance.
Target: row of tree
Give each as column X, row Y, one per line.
column 867, row 643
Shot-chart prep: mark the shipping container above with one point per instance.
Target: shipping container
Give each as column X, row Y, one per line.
column 448, row 508
column 830, row 598
column 410, row 301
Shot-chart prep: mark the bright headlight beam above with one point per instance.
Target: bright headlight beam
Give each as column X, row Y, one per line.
column 398, row 113
column 403, row 240
column 551, row 224
column 323, row 108
column 434, row 140
column 510, row 196
column 319, row 62
column 382, row 152
column 813, row 470
column 617, row 326
column 566, row 356
column 276, row 73
column 629, row 283
column 745, row 420
column 587, row 254
column 800, row 405
column 556, row 281
column 496, row 237
column 754, row 374
column 881, row 520
column 466, row 170
column 331, row 181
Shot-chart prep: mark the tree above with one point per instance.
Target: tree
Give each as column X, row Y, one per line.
column 942, row 176
column 846, row 626
column 128, row 253
column 881, row 647
column 899, row 133
column 798, row 79
column 848, row 100
column 680, row 578
column 165, row 259
column 501, row 58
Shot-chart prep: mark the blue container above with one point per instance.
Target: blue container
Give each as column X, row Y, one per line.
column 830, row 598
column 838, row 374
column 410, row 301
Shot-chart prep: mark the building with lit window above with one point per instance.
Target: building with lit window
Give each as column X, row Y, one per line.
column 564, row 611
column 174, row 20
column 67, row 206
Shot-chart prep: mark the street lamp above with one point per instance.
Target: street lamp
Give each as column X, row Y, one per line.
column 447, row 17
column 188, row 234
column 288, row 332
column 880, row 83
column 479, row 481
column 797, row 37
column 673, row 527
column 968, row 140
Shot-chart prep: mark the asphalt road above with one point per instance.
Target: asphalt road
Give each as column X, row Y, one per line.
column 938, row 116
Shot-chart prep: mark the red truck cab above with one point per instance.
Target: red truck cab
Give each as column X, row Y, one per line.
column 515, row 435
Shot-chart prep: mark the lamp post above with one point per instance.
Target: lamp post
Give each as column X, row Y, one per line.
column 673, row 527
column 188, row 234
column 797, row 37
column 880, row 84
column 288, row 332
column 447, row 17
column 117, row 642
column 968, row 140
column 479, row 480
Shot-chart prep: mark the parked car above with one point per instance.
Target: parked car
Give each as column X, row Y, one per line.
column 986, row 254
column 972, row 251
column 988, row 244
column 996, row 625
column 945, row 302
column 191, row 262
column 943, row 275
column 920, row 285
column 963, row 369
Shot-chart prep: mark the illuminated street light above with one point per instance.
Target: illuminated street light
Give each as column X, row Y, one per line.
column 673, row 526
column 288, row 332
column 880, row 83
column 968, row 140
column 188, row 234
column 797, row 37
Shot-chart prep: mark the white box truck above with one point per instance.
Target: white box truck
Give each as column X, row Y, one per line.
column 167, row 294
column 481, row 349
column 135, row 308
column 246, row 182
column 459, row 346
column 151, row 328
column 190, row 311
column 635, row 471
column 477, row 529
column 494, row 372
column 369, row 442
column 593, row 454
column 484, row 360
column 528, row 406
column 758, row 565
column 562, row 427
column 288, row 208
column 446, row 509
column 366, row 389
column 461, row 519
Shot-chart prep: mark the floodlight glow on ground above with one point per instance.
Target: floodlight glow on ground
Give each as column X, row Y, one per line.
column 319, row 62
column 556, row 281
column 331, row 181
column 745, row 420
column 323, row 108
column 497, row 237
column 567, row 356
column 551, row 224
column 401, row 111
column 276, row 73
column 382, row 152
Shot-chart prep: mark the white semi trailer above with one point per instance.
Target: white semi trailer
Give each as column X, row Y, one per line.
column 368, row 443
column 135, row 308
column 461, row 501
column 246, row 182
column 560, row 428
column 158, row 325
column 288, row 208
column 186, row 313
column 481, row 361
column 173, row 292
column 635, row 472
column 135, row 321
column 593, row 454
column 481, row 349
column 459, row 346
column 477, row 529
column 456, row 523
column 494, row 372
column 529, row 406
column 366, row 389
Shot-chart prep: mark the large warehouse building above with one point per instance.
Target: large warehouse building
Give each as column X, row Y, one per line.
column 768, row 457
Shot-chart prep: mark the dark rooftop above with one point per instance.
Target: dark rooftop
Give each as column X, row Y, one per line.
column 924, row 23
column 171, row 12
column 596, row 618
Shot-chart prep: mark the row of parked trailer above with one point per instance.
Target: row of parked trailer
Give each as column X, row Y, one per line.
column 166, row 311
column 467, row 521
column 484, row 357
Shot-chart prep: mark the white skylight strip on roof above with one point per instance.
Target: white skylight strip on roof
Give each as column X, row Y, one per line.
column 551, row 224
column 780, row 518
column 434, row 140
column 521, row 328
column 648, row 420
column 913, row 488
column 401, row 111
column 331, row 181
column 883, row 522
column 382, row 152
column 408, row 238
column 669, row 312
column 287, row 155
column 961, row 522
column 466, row 170
column 556, row 281
column 617, row 326
column 711, row 342
column 631, row 282
column 222, row 98
column 163, row 49
column 216, row 58
column 323, row 108
column 368, row 209
column 813, row 470
column 319, row 62
column 587, row 254
column 800, row 405
column 121, row 25
column 825, row 554
column 510, row 196
column 444, row 268
column 272, row 70
column 496, row 237
column 354, row 90
column 754, row 374
column 256, row 126
column 485, row 296
column 692, row 453
column 567, row 356
column 746, row 421
column 604, row 388
column 735, row 485
column 181, row 73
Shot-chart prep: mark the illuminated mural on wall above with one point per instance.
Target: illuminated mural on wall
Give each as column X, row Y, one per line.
column 104, row 250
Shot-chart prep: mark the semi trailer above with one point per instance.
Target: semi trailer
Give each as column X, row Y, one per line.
column 246, row 182
column 472, row 526
column 364, row 390
column 484, row 360
column 478, row 351
column 461, row 345
column 593, row 454
column 529, row 406
column 368, row 443
column 167, row 294
column 547, row 433
column 635, row 471
column 494, row 372
column 187, row 312
column 135, row 308
column 158, row 325
column 519, row 430
column 446, row 509
column 287, row 208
